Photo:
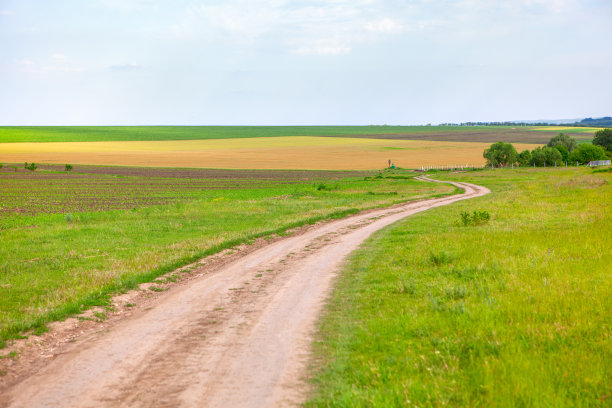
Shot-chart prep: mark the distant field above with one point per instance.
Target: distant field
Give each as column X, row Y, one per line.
column 308, row 153
column 50, row 190
column 488, row 134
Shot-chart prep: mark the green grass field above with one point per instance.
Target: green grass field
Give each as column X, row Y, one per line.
column 14, row 134
column 56, row 264
column 513, row 313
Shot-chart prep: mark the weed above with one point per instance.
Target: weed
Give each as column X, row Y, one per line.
column 101, row 316
column 130, row 304
column 476, row 218
column 440, row 258
column 12, row 355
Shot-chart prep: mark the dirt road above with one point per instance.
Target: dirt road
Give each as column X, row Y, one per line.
column 238, row 337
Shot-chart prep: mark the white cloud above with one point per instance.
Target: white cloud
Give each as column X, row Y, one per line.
column 386, row 25
column 125, row 67
column 5, row 12
column 127, row 6
column 320, row 27
column 58, row 57
column 57, row 65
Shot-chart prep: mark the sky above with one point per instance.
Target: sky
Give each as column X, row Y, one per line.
column 278, row 62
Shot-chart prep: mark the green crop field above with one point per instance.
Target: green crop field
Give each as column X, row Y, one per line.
column 70, row 240
column 514, row 312
column 20, row 134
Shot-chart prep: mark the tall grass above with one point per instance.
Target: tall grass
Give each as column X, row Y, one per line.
column 516, row 312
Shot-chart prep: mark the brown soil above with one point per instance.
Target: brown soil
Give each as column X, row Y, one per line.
column 188, row 173
column 235, row 331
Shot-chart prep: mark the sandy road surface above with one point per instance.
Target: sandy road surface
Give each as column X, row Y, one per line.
column 238, row 337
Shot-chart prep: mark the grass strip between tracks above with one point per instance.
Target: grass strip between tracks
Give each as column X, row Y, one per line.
column 515, row 312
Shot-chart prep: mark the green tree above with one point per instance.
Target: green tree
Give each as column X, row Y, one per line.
column 603, row 138
column 563, row 140
column 541, row 156
column 587, row 152
column 500, row 154
column 524, row 158
column 563, row 150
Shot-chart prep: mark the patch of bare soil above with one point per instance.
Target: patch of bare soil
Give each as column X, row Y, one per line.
column 232, row 330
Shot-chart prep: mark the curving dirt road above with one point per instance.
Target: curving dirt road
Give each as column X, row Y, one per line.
column 238, row 337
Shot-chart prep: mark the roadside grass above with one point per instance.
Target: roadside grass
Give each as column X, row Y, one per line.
column 52, row 267
column 513, row 313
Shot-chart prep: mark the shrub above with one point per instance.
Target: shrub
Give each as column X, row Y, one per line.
column 524, row 158
column 545, row 156
column 476, row 218
column 68, row 167
column 587, row 152
column 31, row 166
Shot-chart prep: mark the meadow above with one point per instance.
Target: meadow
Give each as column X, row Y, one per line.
column 523, row 134
column 511, row 312
column 296, row 152
column 130, row 225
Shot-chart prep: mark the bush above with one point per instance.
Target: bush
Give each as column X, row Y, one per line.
column 476, row 218
column 524, row 158
column 587, row 152
column 31, row 166
column 68, row 167
column 545, row 156
column 603, row 138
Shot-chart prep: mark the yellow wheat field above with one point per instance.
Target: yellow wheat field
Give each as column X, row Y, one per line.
column 296, row 152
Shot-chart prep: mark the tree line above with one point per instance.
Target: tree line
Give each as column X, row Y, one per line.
column 559, row 150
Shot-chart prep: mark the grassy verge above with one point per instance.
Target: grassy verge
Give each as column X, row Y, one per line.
column 55, row 265
column 515, row 312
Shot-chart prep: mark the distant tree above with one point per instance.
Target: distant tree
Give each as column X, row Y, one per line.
column 500, row 154
column 563, row 140
column 548, row 156
column 553, row 156
column 537, row 157
column 603, row 138
column 563, row 150
column 524, row 158
column 587, row 152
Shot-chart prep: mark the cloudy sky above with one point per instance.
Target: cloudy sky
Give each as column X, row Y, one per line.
column 281, row 62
